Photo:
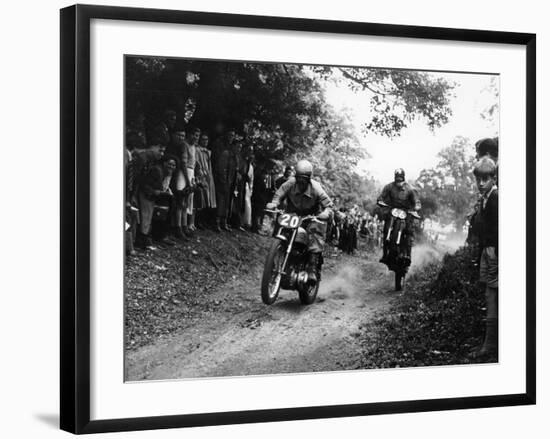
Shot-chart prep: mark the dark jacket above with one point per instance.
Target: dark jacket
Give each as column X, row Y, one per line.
column 404, row 198
column 488, row 220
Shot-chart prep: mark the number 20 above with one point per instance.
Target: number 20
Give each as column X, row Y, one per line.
column 289, row 221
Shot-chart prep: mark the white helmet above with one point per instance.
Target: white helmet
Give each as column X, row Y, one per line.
column 304, row 169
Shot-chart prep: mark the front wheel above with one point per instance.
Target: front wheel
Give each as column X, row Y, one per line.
column 271, row 278
column 399, row 280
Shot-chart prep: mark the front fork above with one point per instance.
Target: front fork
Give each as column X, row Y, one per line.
column 288, row 250
column 390, row 228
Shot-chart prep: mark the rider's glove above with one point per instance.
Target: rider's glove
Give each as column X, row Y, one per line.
column 271, row 206
column 323, row 216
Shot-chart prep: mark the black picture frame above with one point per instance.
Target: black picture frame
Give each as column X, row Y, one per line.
column 75, row 217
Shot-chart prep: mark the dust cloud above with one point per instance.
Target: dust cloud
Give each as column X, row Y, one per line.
column 423, row 254
column 344, row 282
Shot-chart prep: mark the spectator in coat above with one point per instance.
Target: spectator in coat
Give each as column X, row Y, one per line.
column 189, row 161
column 160, row 179
column 236, row 210
column 163, row 132
column 180, row 186
column 248, row 186
column 262, row 193
column 289, row 172
column 135, row 144
column 146, row 188
column 205, row 196
column 224, row 174
column 485, row 172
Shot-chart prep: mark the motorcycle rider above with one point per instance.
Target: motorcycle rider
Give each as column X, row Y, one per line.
column 305, row 196
column 399, row 194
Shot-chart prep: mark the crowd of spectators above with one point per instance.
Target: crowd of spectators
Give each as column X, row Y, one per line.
column 348, row 224
column 179, row 180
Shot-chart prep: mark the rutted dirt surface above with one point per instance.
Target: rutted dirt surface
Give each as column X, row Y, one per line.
column 245, row 337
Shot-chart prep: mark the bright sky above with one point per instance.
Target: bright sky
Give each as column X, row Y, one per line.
column 417, row 147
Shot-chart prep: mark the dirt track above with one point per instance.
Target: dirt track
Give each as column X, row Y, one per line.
column 245, row 337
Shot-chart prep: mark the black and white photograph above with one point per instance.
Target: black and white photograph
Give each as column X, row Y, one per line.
column 292, row 218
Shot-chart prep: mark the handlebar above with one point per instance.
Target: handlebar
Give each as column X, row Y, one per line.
column 410, row 212
column 304, row 218
column 274, row 211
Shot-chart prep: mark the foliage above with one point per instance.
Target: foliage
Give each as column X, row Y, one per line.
column 334, row 155
column 491, row 112
column 448, row 192
column 437, row 321
column 279, row 108
column 398, row 97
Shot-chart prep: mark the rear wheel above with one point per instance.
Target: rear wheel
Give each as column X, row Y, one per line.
column 271, row 279
column 309, row 293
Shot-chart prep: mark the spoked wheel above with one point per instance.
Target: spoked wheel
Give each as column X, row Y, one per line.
column 271, row 279
column 309, row 293
column 399, row 280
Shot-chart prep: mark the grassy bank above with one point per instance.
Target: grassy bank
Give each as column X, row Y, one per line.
column 437, row 321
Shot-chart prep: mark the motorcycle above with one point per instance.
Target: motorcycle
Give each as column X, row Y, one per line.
column 396, row 238
column 286, row 263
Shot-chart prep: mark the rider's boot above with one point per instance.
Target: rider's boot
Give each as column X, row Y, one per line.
column 312, row 265
column 384, row 257
column 407, row 256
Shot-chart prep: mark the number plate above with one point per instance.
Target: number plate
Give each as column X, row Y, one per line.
column 398, row 213
column 288, row 220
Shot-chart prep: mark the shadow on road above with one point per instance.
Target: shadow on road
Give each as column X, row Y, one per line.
column 292, row 305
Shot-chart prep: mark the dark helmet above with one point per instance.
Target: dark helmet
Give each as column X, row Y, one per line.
column 399, row 174
column 485, row 166
column 304, row 169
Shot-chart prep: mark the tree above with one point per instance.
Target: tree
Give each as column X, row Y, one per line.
column 448, row 190
column 490, row 112
column 279, row 108
column 398, row 97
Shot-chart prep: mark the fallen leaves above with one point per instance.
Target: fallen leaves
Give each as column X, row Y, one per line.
column 166, row 290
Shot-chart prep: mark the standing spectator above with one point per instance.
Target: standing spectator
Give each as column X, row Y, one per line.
column 135, row 143
column 487, row 147
column 262, row 193
column 289, row 172
column 147, row 188
column 485, row 172
column 159, row 180
column 223, row 178
column 238, row 162
column 206, row 195
column 163, row 132
column 180, row 183
column 189, row 162
column 248, row 177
